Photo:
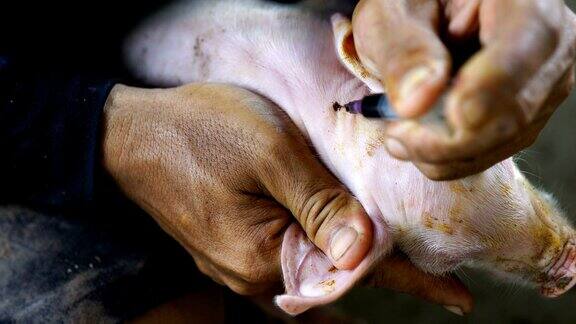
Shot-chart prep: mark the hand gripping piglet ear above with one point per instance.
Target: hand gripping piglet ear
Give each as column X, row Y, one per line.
column 310, row 278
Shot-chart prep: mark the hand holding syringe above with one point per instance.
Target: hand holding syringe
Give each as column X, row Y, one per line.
column 501, row 97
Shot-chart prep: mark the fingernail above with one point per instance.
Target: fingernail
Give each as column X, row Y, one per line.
column 454, row 309
column 397, row 149
column 412, row 81
column 342, row 241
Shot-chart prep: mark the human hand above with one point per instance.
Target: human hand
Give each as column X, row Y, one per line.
column 500, row 99
column 225, row 173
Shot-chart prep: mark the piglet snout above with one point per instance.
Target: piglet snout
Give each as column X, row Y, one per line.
column 561, row 276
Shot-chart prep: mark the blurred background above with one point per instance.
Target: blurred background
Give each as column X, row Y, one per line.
column 549, row 164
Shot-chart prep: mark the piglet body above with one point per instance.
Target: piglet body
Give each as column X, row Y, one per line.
column 297, row 57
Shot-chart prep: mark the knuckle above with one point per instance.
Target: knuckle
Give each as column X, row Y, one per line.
column 208, row 271
column 548, row 17
column 444, row 172
column 281, row 147
column 251, row 289
column 528, row 140
column 435, row 173
column 252, row 271
column 321, row 208
column 251, row 276
column 243, row 289
column 202, row 268
column 431, row 151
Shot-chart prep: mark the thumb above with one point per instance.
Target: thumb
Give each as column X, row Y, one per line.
column 398, row 42
column 331, row 217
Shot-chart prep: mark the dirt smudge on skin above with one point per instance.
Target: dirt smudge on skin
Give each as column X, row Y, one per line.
column 427, row 220
column 550, row 238
column 333, row 269
column 328, row 285
column 202, row 56
column 351, row 56
column 434, row 223
column 373, row 144
column 505, row 189
column 445, row 228
column 458, row 187
column 547, row 240
column 455, row 212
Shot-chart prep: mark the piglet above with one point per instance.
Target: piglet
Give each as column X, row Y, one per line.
column 303, row 59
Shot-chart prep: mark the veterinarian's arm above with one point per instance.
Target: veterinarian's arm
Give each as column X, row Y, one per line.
column 501, row 97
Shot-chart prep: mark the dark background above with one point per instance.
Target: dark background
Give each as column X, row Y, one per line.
column 550, row 164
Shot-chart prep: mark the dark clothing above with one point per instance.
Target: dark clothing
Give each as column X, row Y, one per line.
column 58, row 62
column 49, row 134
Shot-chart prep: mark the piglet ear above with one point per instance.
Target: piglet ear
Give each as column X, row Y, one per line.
column 344, row 42
column 309, row 276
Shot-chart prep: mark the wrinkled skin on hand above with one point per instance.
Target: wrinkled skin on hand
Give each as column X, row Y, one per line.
column 498, row 101
column 223, row 170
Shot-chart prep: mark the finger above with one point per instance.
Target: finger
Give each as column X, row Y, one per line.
column 561, row 91
column 431, row 143
column 333, row 220
column 545, row 82
column 397, row 41
column 463, row 17
column 399, row 274
column 463, row 168
column 241, row 281
column 440, row 146
column 518, row 39
column 483, row 109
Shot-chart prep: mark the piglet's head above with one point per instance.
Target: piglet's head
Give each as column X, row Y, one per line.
column 534, row 244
